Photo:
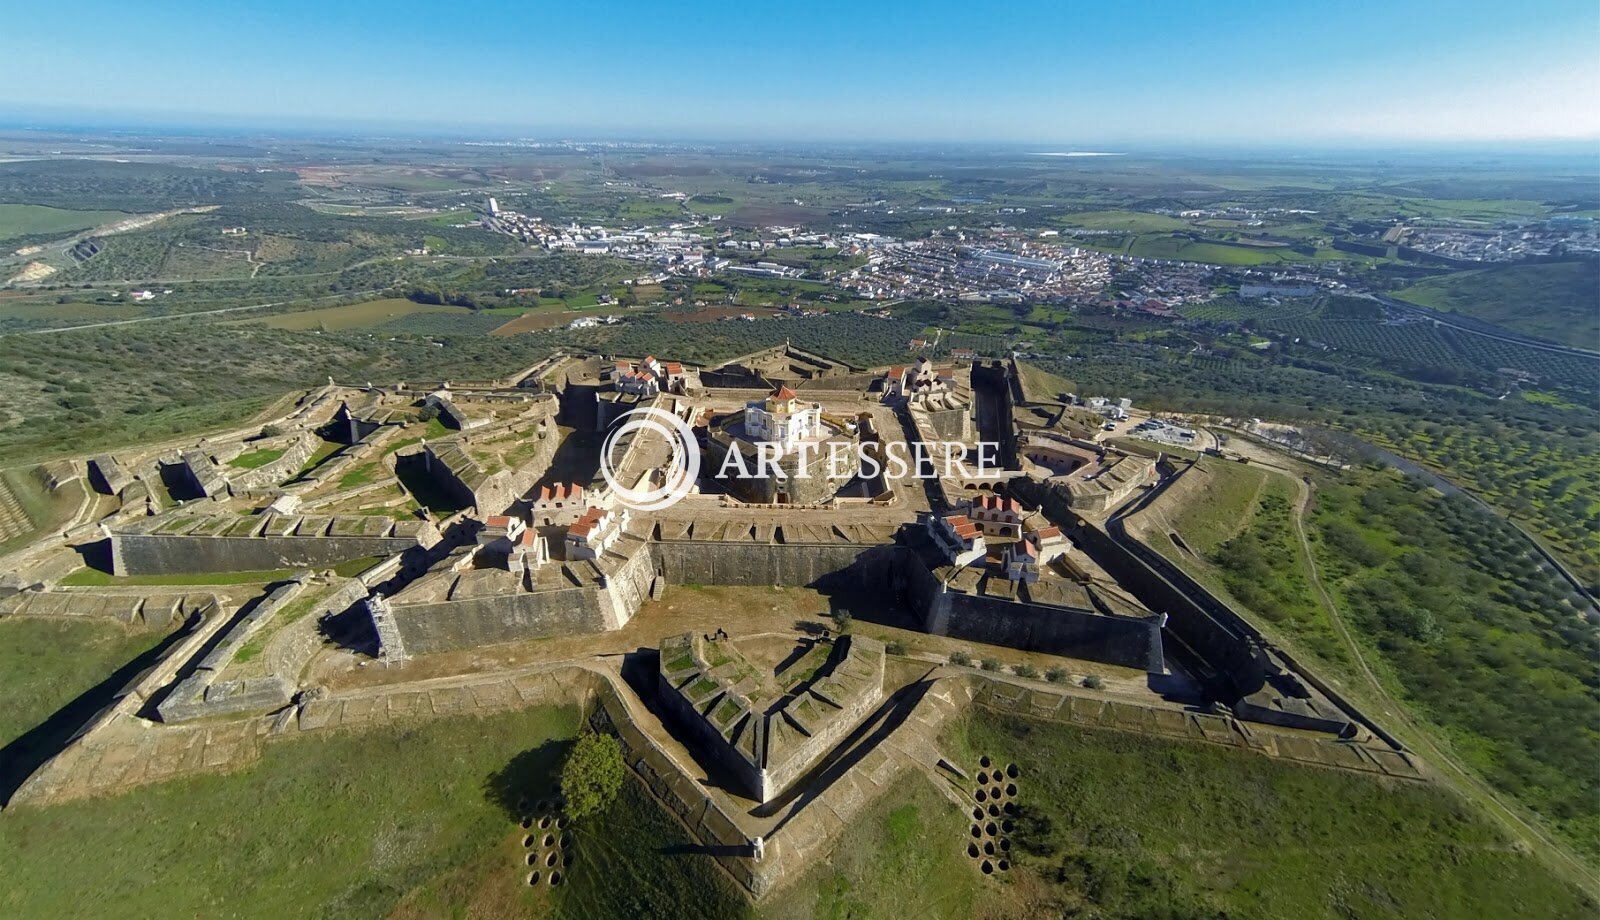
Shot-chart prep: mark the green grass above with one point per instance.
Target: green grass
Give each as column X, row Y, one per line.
column 324, row 450
column 353, row 567
column 94, row 578
column 1239, row 530
column 45, row 663
column 256, row 459
column 1559, row 301
column 905, row 857
column 1133, row 221
column 44, row 509
column 1140, row 827
column 55, row 675
column 360, row 476
column 337, row 826
column 18, row 220
column 1039, row 385
column 629, row 863
column 1474, row 634
column 1221, row 506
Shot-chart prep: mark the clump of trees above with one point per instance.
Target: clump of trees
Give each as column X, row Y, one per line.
column 592, row 775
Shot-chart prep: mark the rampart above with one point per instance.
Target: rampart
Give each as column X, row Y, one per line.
column 191, row 544
column 1133, row 642
column 607, row 601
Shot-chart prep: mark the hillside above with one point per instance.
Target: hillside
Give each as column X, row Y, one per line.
column 1556, row 301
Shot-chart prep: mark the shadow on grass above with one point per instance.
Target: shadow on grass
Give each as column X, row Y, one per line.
column 20, row 758
column 530, row 776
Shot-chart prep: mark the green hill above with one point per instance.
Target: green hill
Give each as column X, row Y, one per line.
column 1559, row 301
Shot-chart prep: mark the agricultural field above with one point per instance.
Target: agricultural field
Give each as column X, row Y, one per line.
column 353, row 316
column 1555, row 301
column 1128, row 221
column 32, row 220
column 1142, row 827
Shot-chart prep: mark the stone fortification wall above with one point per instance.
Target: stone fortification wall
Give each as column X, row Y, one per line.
column 471, row 622
column 628, row 586
column 1133, row 642
column 824, row 738
column 296, row 452
column 710, row 744
column 790, row 564
column 173, row 554
column 201, row 694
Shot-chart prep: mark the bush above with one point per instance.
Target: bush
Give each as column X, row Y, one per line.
column 841, row 620
column 1056, row 675
column 1093, row 682
column 895, row 647
column 989, row 664
column 1025, row 670
column 592, row 775
column 961, row 658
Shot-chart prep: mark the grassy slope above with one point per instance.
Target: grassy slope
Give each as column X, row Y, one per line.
column 1556, row 301
column 1041, row 385
column 340, row 826
column 904, row 858
column 1239, row 528
column 44, row 509
column 44, row 664
column 1141, row 827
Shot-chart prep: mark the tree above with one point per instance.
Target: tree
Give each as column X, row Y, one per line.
column 841, row 620
column 592, row 775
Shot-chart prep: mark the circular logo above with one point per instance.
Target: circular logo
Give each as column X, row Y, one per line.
column 683, row 467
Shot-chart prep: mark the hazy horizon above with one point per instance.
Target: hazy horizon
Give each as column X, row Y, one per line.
column 1026, row 74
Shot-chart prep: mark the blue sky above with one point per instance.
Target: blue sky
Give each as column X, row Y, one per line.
column 1069, row 72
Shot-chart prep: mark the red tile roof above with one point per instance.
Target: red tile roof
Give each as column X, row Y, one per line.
column 1047, row 533
column 783, row 393
column 585, row 525
column 498, row 520
column 897, row 372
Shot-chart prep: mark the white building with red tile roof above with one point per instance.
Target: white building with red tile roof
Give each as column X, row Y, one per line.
column 783, row 420
column 500, row 532
column 957, row 537
column 648, row 377
column 1051, row 543
column 997, row 515
column 594, row 531
column 1020, row 561
column 559, row 504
